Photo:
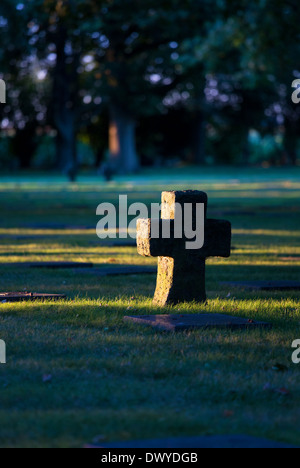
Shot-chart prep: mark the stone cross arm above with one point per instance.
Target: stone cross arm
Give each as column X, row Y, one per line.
column 217, row 240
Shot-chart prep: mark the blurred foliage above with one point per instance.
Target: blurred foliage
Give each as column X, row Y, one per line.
column 6, row 159
column 197, row 77
column 45, row 154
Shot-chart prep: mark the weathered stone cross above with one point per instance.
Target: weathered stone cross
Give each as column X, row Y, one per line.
column 181, row 272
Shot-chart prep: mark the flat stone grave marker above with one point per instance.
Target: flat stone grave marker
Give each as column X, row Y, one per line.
column 120, row 270
column 59, row 226
column 49, row 265
column 181, row 271
column 19, row 297
column 177, row 323
column 264, row 285
column 30, row 238
column 221, row 441
column 61, row 265
column 233, row 213
column 125, row 243
column 18, row 237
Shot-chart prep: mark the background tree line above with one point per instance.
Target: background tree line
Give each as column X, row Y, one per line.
column 120, row 83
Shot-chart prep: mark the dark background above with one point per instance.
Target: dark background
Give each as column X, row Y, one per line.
column 110, row 86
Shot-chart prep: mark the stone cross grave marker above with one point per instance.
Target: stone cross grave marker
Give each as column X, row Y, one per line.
column 181, row 272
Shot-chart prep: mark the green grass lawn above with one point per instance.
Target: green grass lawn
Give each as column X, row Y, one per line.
column 76, row 372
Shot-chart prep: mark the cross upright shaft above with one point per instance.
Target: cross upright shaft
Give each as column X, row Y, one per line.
column 181, row 272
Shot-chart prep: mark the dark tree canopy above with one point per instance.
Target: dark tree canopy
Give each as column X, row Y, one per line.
column 81, row 69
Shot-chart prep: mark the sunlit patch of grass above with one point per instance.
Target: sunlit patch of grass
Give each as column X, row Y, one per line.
column 121, row 381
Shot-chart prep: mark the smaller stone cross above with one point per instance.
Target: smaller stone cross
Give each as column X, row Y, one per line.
column 181, row 272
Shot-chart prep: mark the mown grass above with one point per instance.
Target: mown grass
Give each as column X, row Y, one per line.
column 76, row 372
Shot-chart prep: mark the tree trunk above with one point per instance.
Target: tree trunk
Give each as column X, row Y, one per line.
column 122, row 150
column 199, row 147
column 290, row 143
column 24, row 145
column 66, row 151
column 64, row 96
column 245, row 147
